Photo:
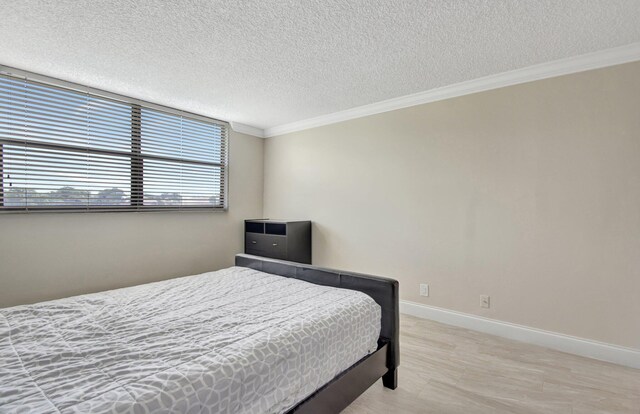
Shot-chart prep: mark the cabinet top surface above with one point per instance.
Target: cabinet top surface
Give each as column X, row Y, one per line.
column 276, row 221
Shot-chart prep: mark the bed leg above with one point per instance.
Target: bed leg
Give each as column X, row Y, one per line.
column 390, row 379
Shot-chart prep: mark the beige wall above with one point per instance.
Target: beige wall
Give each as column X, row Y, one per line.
column 46, row 256
column 530, row 194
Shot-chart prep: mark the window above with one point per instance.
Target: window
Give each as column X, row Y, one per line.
column 66, row 147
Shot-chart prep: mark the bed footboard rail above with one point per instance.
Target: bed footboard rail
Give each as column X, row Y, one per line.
column 381, row 289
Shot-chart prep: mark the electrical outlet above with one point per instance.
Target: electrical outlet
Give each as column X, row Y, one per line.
column 485, row 301
column 424, row 289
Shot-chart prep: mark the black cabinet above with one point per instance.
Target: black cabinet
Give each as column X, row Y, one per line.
column 278, row 239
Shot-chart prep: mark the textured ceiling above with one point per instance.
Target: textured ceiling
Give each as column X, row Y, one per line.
column 268, row 63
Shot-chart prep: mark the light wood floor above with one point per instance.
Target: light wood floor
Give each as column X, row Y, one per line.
column 445, row 369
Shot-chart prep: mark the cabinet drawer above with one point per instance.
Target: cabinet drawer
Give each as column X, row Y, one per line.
column 266, row 245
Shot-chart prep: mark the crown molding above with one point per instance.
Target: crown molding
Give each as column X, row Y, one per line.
column 581, row 63
column 247, row 129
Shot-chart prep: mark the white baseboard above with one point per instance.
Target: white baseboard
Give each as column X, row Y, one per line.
column 579, row 346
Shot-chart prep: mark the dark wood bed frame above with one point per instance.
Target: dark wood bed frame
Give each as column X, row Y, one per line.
column 337, row 394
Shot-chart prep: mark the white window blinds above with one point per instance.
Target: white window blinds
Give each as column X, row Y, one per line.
column 66, row 148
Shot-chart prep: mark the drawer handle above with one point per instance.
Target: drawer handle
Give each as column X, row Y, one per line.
column 275, row 244
column 253, row 241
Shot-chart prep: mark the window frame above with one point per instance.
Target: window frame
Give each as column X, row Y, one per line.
column 136, row 166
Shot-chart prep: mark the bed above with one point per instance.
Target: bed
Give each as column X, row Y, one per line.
column 264, row 336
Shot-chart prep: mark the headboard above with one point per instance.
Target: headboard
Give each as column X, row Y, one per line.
column 383, row 290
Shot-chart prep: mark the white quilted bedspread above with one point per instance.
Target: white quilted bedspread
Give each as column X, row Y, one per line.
column 232, row 341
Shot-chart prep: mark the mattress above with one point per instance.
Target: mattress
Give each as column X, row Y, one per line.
column 232, row 341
